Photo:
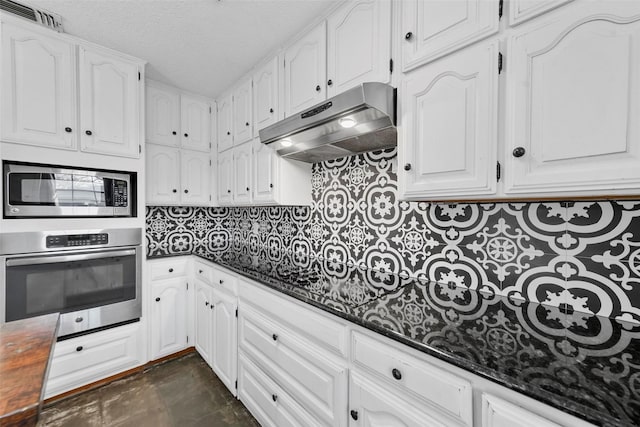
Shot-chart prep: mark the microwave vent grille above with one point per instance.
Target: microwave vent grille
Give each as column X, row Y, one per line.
column 40, row 16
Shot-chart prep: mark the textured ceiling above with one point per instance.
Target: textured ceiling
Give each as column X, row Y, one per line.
column 202, row 46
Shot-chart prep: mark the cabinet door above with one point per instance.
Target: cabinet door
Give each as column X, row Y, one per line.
column 242, row 130
column 195, row 123
column 194, row 180
column 163, row 175
column 449, row 114
column 432, row 29
column 225, row 125
column 500, row 413
column 168, row 314
column 572, row 102
column 264, row 173
column 225, row 177
column 522, row 10
column 242, row 173
column 203, row 319
column 358, row 45
column 109, row 104
column 224, row 350
column 373, row 405
column 305, row 71
column 265, row 96
column 163, row 116
column 38, row 103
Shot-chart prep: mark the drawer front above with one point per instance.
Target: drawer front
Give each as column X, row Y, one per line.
column 168, row 269
column 500, row 413
column 437, row 387
column 317, row 382
column 85, row 359
column 330, row 334
column 269, row 404
column 203, row 271
column 225, row 281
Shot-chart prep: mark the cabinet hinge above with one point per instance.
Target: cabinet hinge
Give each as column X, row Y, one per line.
column 187, row 339
column 236, row 384
column 236, row 312
column 500, row 6
column 499, row 62
column 209, row 197
column 187, row 285
column 498, row 171
column 209, row 109
column 209, row 160
column 209, row 145
column 139, row 149
column 391, row 65
column 138, row 75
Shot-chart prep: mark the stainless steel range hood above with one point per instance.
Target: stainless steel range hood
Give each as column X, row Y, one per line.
column 358, row 120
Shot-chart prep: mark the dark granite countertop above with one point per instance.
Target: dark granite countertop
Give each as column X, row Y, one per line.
column 586, row 365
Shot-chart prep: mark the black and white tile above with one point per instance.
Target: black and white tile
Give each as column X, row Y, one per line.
column 580, row 256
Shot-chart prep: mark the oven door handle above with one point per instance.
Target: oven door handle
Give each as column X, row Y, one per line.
column 67, row 258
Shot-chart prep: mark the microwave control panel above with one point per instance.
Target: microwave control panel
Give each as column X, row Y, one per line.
column 119, row 193
column 72, row 240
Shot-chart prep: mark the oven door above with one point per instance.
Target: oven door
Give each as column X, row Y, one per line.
column 90, row 289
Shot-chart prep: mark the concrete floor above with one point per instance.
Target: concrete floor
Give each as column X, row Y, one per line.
column 183, row 392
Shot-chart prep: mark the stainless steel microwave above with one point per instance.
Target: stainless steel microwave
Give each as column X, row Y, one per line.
column 39, row 191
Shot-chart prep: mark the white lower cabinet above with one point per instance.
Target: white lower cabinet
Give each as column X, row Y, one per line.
column 224, row 347
column 497, row 412
column 203, row 307
column 88, row 358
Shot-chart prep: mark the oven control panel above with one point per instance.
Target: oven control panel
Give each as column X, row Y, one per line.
column 72, row 240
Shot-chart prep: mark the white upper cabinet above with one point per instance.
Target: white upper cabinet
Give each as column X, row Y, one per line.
column 264, row 159
column 358, row 45
column 162, row 116
column 432, row 29
column 225, row 177
column 573, row 102
column 242, row 173
column 163, row 174
column 225, row 124
column 265, row 96
column 195, row 170
column 109, row 104
column 195, row 116
column 522, row 10
column 242, row 131
column 38, row 103
column 305, row 71
column 449, row 134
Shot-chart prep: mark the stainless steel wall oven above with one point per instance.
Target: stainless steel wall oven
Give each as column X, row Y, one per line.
column 92, row 277
column 36, row 191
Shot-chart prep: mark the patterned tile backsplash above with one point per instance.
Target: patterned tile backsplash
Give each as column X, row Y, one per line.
column 578, row 256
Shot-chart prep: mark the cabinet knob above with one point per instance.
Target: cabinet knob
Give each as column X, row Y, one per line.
column 174, row 132
column 68, row 130
column 275, row 337
column 157, row 299
column 171, row 270
column 270, row 185
column 228, row 133
column 211, row 306
column 329, row 82
column 318, row 88
column 174, row 190
column 199, row 271
column 246, row 123
column 274, row 397
column 519, row 152
column 186, row 135
column 206, row 303
column 271, row 110
column 408, row 35
column 407, row 167
column 247, row 188
column 221, row 281
column 79, row 348
column 186, row 191
column 396, row 374
column 354, row 414
column 88, row 132
column 228, row 191
column 79, row 319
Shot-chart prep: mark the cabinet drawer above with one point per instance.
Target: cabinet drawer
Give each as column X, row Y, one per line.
column 497, row 413
column 167, row 269
column 313, row 376
column 226, row 281
column 268, row 403
column 437, row 387
column 330, row 334
column 85, row 359
column 203, row 271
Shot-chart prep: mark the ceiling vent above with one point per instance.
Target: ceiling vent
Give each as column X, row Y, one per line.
column 42, row 17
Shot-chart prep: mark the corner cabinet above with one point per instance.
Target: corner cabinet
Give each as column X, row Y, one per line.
column 572, row 101
column 162, row 115
column 449, row 116
column 195, row 123
column 62, row 93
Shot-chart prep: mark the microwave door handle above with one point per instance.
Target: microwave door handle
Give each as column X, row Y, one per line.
column 67, row 258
